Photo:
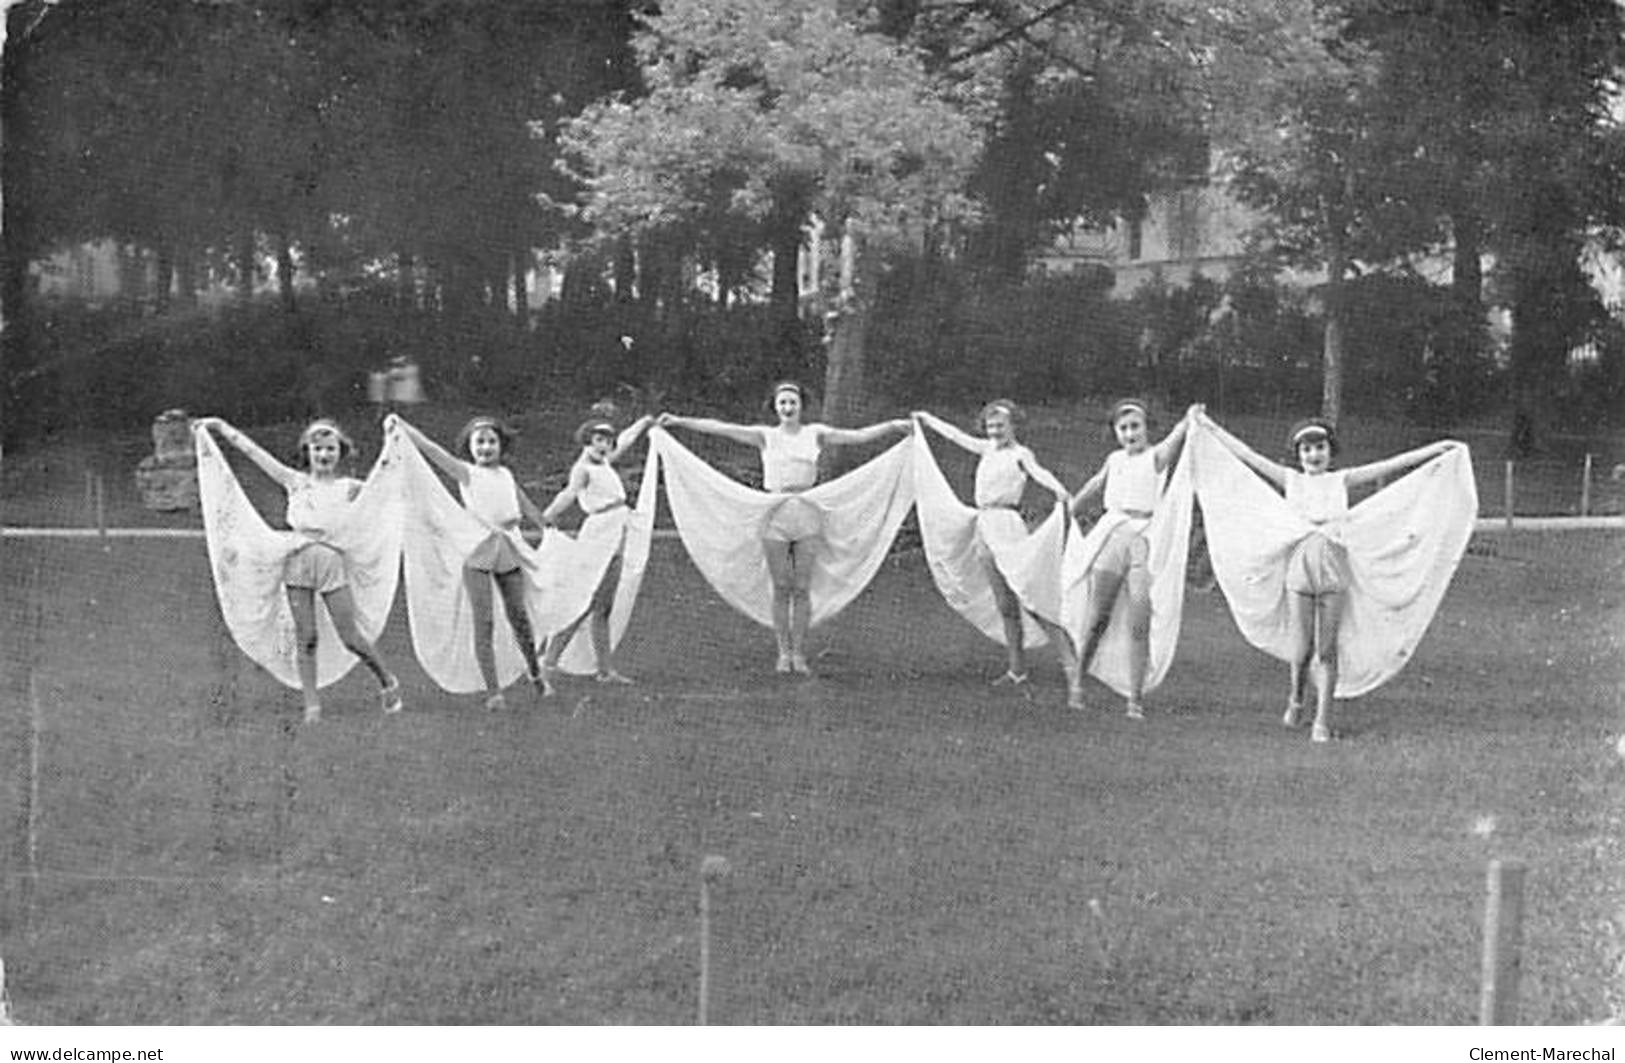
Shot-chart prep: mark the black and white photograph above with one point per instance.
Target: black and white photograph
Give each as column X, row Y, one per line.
column 549, row 522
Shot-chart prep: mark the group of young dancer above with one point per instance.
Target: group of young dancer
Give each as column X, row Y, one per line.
column 1341, row 593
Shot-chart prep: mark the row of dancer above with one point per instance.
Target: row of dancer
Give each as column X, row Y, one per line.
column 794, row 553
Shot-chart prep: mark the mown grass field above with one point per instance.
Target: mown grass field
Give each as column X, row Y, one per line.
column 907, row 845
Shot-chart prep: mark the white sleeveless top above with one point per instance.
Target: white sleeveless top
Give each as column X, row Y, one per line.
column 1000, row 479
column 316, row 507
column 1132, row 483
column 790, row 462
column 490, row 494
column 604, row 488
column 1318, row 499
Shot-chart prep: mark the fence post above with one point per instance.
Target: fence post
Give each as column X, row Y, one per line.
column 1585, row 489
column 1509, row 494
column 101, row 512
column 712, row 870
column 1503, row 934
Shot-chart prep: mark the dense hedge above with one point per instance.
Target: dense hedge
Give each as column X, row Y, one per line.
column 937, row 335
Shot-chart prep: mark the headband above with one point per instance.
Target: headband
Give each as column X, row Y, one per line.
column 594, row 427
column 1310, row 430
column 324, row 427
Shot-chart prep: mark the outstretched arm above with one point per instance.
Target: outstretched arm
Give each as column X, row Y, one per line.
column 629, row 436
column 739, row 433
column 1269, row 470
column 563, row 500
column 443, row 459
column 953, row 433
column 1376, row 470
column 1090, row 488
column 1168, row 450
column 844, row 436
column 282, row 474
column 1044, row 478
column 528, row 508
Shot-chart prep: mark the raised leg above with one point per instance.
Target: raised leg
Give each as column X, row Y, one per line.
column 302, row 603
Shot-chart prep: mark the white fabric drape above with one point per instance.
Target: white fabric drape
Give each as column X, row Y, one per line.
column 719, row 521
column 577, row 564
column 439, row 534
column 1403, row 542
column 246, row 556
column 1029, row 562
column 1168, row 535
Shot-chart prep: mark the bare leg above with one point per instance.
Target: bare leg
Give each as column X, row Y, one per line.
column 1301, row 617
column 341, row 607
column 603, row 600
column 800, row 604
column 511, row 585
column 1139, row 606
column 302, row 603
column 1103, row 589
column 1069, row 661
column 1015, row 634
column 478, row 585
column 781, row 570
column 1328, row 616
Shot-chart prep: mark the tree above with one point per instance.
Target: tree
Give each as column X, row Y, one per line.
column 760, row 110
column 1474, row 126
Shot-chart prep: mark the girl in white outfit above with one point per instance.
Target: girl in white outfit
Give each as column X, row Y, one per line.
column 1317, row 574
column 793, row 529
column 1002, row 473
column 1130, row 482
column 596, row 487
column 317, row 499
column 490, row 493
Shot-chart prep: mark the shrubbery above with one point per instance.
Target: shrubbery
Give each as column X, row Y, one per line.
column 938, row 334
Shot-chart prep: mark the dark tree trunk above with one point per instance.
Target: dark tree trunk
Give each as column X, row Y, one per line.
column 406, row 287
column 165, row 280
column 284, row 274
column 521, row 289
column 247, row 267
column 1467, row 270
column 185, row 277
column 626, row 272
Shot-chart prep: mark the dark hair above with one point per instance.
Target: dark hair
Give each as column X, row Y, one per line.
column 1017, row 415
column 466, row 436
column 1125, row 404
column 593, row 427
column 1311, row 426
column 788, row 385
column 322, row 426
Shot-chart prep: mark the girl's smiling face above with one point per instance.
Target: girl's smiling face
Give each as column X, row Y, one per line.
column 485, row 446
column 1315, row 454
column 787, row 404
column 997, row 426
column 1131, row 431
column 323, row 453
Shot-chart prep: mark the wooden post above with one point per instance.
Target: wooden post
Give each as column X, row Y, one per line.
column 1503, row 940
column 101, row 512
column 712, row 869
column 1509, row 495
column 1585, row 489
column 32, row 796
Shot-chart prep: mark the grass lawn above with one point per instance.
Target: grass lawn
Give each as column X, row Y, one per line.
column 907, row 845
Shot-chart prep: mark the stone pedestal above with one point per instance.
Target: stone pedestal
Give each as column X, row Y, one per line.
column 167, row 479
